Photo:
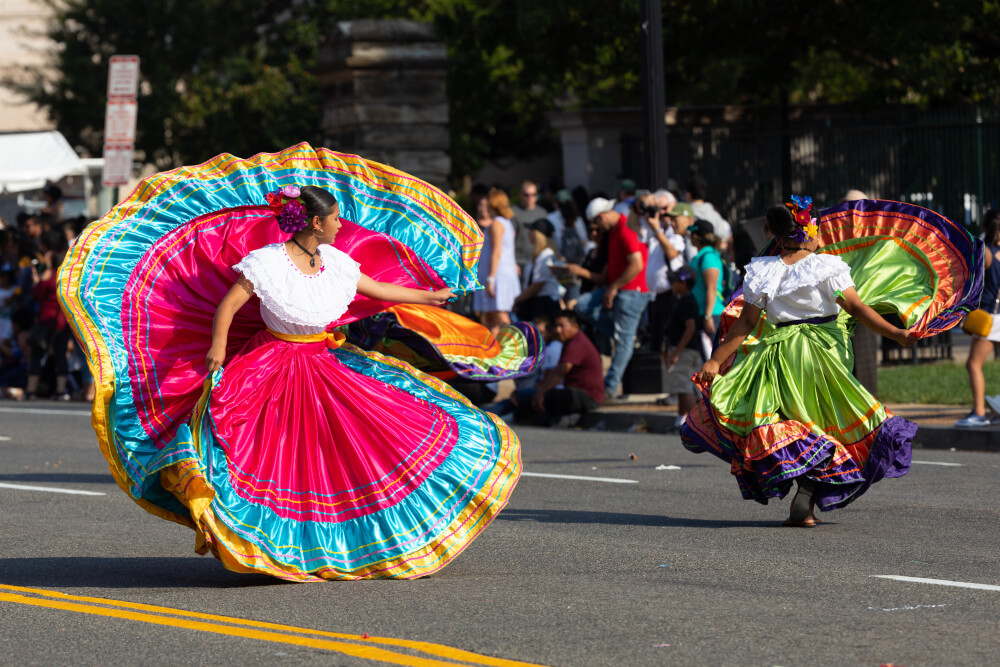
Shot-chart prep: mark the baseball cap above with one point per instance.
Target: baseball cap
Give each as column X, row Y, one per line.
column 597, row 206
column 544, row 226
column 701, row 227
column 563, row 196
column 628, row 185
column 681, row 208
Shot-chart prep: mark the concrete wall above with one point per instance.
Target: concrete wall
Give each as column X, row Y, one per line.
column 594, row 146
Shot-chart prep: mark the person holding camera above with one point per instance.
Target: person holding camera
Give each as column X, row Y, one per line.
column 615, row 309
column 666, row 252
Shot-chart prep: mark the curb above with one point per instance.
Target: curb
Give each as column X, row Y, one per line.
column 964, row 439
column 928, row 437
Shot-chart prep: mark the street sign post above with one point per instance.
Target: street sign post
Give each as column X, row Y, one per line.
column 117, row 163
column 120, row 116
column 119, row 121
column 123, row 77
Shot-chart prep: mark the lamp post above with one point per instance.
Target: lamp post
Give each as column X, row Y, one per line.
column 653, row 92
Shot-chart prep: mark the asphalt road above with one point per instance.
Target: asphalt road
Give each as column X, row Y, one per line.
column 672, row 568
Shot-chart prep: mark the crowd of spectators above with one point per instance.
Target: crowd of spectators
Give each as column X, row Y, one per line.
column 38, row 356
column 603, row 276
column 599, row 276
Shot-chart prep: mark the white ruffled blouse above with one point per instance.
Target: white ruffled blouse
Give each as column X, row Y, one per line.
column 800, row 291
column 292, row 302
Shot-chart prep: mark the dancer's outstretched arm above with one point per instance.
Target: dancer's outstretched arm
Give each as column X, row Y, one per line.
column 744, row 325
column 397, row 294
column 851, row 302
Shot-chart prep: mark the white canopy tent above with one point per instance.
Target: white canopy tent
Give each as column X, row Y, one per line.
column 30, row 159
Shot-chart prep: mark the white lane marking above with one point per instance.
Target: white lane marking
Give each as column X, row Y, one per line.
column 940, row 463
column 612, row 480
column 939, row 582
column 4, row 438
column 25, row 487
column 43, row 411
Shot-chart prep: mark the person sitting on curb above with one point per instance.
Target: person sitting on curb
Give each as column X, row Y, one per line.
column 579, row 374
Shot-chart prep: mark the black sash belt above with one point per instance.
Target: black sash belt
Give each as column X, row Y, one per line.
column 811, row 320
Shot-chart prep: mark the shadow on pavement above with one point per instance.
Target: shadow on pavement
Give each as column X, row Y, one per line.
column 623, row 460
column 97, row 572
column 618, row 518
column 57, row 477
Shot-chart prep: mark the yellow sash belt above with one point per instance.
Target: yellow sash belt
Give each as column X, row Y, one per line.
column 334, row 339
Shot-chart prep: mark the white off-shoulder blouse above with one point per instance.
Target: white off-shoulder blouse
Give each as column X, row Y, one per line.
column 804, row 290
column 292, row 302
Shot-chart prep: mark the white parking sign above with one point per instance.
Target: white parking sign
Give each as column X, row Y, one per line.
column 123, row 77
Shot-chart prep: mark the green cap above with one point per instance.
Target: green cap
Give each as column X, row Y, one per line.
column 681, row 208
column 563, row 196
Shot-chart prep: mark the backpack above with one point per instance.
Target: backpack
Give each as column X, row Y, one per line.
column 731, row 279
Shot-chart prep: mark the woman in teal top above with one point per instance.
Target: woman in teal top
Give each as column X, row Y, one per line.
column 707, row 265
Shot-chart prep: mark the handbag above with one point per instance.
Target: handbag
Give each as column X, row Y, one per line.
column 979, row 322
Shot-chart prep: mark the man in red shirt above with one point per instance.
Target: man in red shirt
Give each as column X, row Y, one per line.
column 575, row 384
column 615, row 309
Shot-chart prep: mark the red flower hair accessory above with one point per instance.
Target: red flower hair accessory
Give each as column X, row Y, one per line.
column 287, row 209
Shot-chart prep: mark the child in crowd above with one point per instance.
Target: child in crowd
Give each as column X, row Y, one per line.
column 684, row 357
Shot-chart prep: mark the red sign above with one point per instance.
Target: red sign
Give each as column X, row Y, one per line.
column 117, row 164
column 123, row 77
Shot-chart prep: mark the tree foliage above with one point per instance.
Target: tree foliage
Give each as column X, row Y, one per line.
column 237, row 76
column 215, row 75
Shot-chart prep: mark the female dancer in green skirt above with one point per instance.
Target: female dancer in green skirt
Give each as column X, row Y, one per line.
column 789, row 408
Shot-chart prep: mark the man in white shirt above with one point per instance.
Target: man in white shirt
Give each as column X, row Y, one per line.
column 666, row 252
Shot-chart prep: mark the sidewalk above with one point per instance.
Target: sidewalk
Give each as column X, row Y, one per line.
column 641, row 414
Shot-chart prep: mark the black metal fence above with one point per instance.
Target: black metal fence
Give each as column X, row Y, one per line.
column 945, row 159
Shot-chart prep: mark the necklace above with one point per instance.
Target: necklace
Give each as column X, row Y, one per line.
column 789, row 251
column 312, row 255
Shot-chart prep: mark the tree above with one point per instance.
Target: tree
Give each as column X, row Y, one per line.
column 215, row 76
column 237, row 76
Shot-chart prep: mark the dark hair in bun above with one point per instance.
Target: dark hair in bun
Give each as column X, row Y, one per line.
column 317, row 201
column 780, row 222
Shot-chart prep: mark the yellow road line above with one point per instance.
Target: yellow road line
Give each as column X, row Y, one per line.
column 356, row 650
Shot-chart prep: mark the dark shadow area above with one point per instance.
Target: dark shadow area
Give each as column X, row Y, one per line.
column 97, row 572
column 622, row 519
column 618, row 459
column 57, row 477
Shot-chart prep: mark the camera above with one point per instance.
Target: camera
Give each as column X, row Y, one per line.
column 650, row 211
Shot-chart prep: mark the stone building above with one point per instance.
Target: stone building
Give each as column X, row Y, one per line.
column 385, row 95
